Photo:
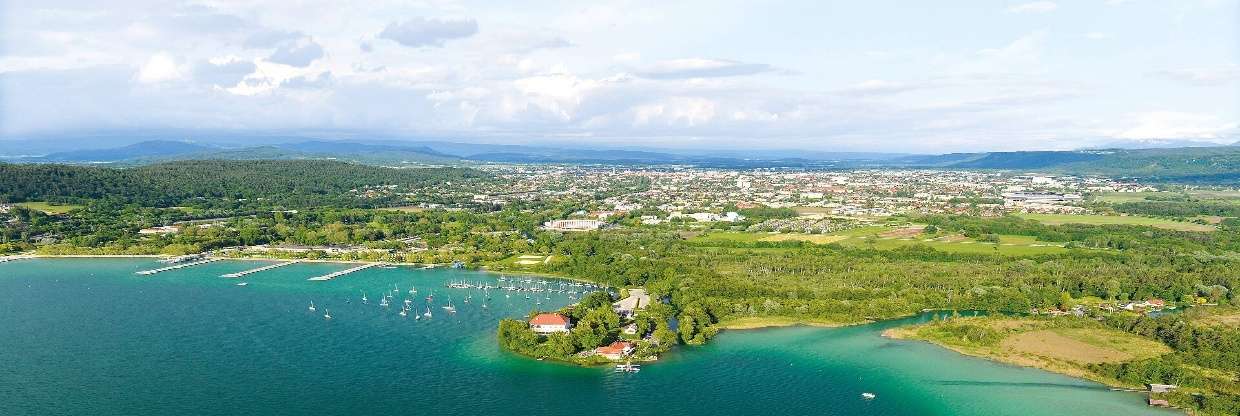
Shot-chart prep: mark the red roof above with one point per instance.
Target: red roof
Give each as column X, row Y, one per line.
column 617, row 347
column 549, row 319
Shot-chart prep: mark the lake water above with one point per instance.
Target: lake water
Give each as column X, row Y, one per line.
column 88, row 337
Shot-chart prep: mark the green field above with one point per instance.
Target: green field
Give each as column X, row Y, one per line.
column 872, row 237
column 1056, row 219
column 48, row 207
column 1120, row 197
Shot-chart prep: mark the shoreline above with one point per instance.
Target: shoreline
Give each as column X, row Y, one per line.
column 905, row 333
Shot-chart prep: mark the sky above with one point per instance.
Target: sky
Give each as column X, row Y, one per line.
column 894, row 76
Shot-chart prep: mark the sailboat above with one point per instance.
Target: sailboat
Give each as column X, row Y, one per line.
column 413, row 290
column 428, row 311
column 449, row 306
column 868, row 396
column 383, row 302
column 311, row 306
column 327, row 314
column 404, row 312
column 365, row 300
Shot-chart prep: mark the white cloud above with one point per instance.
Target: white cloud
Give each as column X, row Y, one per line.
column 1174, row 124
column 160, row 67
column 1205, row 76
column 421, row 31
column 1098, row 36
column 701, row 68
column 1034, row 7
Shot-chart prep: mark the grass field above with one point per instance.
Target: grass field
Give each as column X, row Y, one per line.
column 1119, row 197
column 873, row 237
column 49, row 208
column 1056, row 219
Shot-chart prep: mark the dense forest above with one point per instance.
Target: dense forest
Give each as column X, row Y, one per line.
column 283, row 183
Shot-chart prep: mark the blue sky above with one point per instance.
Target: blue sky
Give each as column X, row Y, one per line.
column 829, row 75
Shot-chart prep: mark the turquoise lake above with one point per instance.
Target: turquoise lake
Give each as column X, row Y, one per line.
column 89, row 337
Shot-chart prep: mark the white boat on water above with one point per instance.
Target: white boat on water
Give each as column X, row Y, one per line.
column 428, row 311
column 243, row 284
column 327, row 315
column 311, row 306
column 628, row 368
column 868, row 396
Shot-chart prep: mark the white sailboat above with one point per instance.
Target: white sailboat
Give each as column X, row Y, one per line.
column 311, row 306
column 868, row 396
column 428, row 311
column 449, row 306
column 365, row 300
column 327, row 314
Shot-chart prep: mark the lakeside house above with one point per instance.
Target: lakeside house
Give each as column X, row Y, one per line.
column 616, row 350
column 549, row 323
column 627, row 307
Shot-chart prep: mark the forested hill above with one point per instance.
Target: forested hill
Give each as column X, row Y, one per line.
column 291, row 183
column 1186, row 164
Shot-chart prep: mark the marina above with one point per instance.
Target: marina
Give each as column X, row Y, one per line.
column 177, row 266
column 334, row 275
column 260, row 269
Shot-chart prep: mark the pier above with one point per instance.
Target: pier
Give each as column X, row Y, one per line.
column 264, row 268
column 178, row 266
column 11, row 258
column 331, row 276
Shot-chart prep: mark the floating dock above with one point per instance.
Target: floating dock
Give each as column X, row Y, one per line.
column 179, row 266
column 11, row 258
column 264, row 268
column 331, row 276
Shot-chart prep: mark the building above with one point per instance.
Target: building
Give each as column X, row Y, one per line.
column 165, row 229
column 548, row 323
column 573, row 225
column 627, row 307
column 1042, row 198
column 616, row 351
column 1159, row 403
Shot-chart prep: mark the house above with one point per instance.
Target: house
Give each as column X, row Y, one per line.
column 616, row 351
column 547, row 323
column 627, row 307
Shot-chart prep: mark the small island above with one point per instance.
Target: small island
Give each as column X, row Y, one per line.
column 598, row 330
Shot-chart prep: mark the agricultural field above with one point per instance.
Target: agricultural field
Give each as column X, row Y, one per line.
column 1057, row 219
column 49, row 208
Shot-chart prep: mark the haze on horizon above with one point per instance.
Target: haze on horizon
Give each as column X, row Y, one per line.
column 896, row 76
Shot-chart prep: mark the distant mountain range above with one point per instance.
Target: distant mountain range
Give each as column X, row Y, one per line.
column 1214, row 164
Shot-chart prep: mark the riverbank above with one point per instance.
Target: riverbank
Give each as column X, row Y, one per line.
column 759, row 322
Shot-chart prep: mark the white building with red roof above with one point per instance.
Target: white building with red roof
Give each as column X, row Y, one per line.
column 547, row 323
column 616, row 351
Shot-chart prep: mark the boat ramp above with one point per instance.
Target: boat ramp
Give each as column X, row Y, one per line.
column 7, row 259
